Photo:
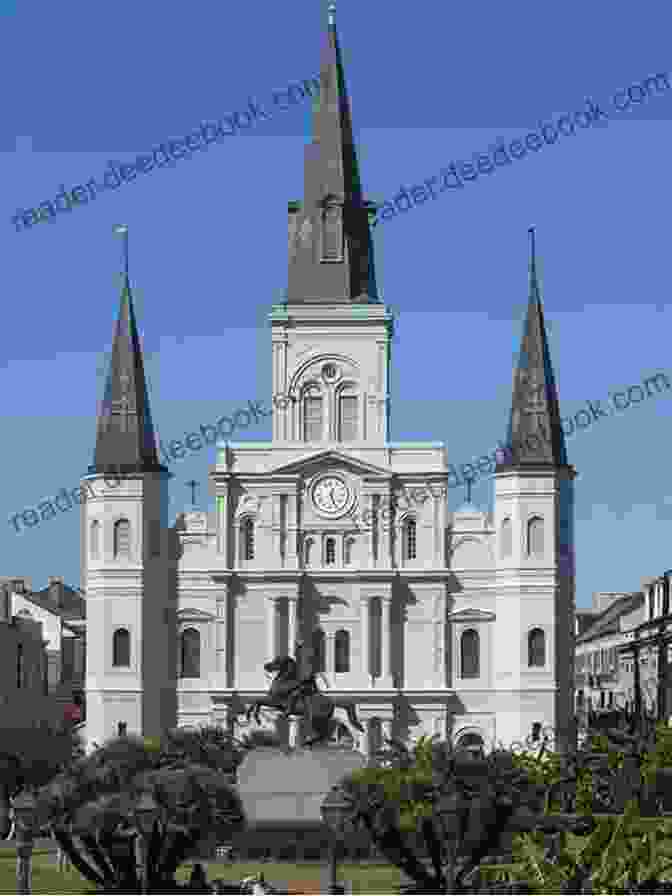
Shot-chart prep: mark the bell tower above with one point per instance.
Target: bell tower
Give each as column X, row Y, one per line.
column 130, row 674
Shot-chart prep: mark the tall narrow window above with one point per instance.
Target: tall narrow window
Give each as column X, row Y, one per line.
column 410, row 540
column 155, row 538
column 332, row 233
column 375, row 735
column 536, row 648
column 313, row 423
column 341, row 651
column 330, row 551
column 122, row 540
column 507, row 538
column 20, row 667
column 94, row 540
column 319, row 653
column 535, row 537
column 666, row 595
column 347, row 554
column 121, row 647
column 652, row 612
column 308, row 551
column 248, row 538
column 348, row 418
column 190, row 654
column 469, row 654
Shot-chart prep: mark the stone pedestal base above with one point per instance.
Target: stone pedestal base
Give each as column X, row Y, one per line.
column 290, row 785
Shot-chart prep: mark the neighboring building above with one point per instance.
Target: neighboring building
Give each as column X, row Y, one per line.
column 41, row 654
column 457, row 625
column 604, row 676
column 650, row 652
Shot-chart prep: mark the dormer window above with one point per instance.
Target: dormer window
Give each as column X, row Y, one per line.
column 331, row 232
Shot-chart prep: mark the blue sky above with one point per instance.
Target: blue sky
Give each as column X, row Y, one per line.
column 430, row 84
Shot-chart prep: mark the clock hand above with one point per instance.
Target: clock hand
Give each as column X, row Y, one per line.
column 331, row 492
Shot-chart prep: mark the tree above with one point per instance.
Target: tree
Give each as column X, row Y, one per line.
column 90, row 806
column 29, row 758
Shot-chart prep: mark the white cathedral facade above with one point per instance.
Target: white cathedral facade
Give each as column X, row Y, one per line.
column 428, row 622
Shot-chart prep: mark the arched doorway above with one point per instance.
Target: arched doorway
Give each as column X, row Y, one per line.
column 472, row 743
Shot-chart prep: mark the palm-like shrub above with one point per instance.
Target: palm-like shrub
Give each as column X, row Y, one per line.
column 439, row 813
column 90, row 806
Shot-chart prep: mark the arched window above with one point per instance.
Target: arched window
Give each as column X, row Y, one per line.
column 330, row 551
column 190, row 654
column 507, row 538
column 94, row 540
column 535, row 537
column 536, row 648
column 349, row 544
column 121, row 647
column 20, row 667
column 313, row 424
column 122, row 539
column 348, row 418
column 469, row 654
column 341, row 651
column 410, row 540
column 319, row 658
column 248, row 538
column 308, row 550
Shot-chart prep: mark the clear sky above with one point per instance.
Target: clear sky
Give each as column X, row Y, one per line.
column 430, row 83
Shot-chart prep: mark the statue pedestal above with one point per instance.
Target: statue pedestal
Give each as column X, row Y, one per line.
column 278, row 785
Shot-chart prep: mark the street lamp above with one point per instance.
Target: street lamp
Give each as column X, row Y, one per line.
column 334, row 810
column 146, row 813
column 24, row 807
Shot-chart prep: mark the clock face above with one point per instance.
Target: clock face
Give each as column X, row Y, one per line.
column 331, row 495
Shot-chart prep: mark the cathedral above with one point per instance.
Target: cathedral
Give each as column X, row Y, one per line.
column 423, row 621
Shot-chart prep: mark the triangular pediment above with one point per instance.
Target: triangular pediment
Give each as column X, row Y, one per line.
column 329, row 458
column 471, row 614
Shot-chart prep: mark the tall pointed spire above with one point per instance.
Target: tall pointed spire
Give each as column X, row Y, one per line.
column 125, row 442
column 535, row 437
column 330, row 246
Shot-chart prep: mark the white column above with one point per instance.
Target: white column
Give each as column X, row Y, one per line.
column 291, row 624
column 385, row 524
column 385, row 632
column 271, row 628
column 366, row 552
column 330, row 654
column 222, row 634
column 365, row 634
column 290, row 544
column 440, row 641
column 223, row 524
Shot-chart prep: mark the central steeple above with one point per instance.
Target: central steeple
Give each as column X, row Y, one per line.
column 330, row 247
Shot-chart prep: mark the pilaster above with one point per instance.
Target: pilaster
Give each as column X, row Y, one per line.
column 365, row 626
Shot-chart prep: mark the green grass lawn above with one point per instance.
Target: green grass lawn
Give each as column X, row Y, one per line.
column 48, row 879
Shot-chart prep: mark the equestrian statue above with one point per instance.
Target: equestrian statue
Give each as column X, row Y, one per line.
column 298, row 695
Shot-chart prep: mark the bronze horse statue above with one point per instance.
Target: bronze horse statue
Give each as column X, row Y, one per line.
column 296, row 696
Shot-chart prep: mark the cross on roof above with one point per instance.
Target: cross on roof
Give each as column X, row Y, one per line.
column 192, row 484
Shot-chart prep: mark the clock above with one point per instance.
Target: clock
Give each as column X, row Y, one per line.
column 331, row 495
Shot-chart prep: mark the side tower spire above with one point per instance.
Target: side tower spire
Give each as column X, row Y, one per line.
column 330, row 246
column 535, row 436
column 125, row 441
column 533, row 653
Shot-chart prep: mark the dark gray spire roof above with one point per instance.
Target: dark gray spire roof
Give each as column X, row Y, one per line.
column 330, row 245
column 535, row 437
column 125, row 441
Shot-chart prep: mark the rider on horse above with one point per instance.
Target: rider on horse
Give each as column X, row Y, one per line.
column 306, row 686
